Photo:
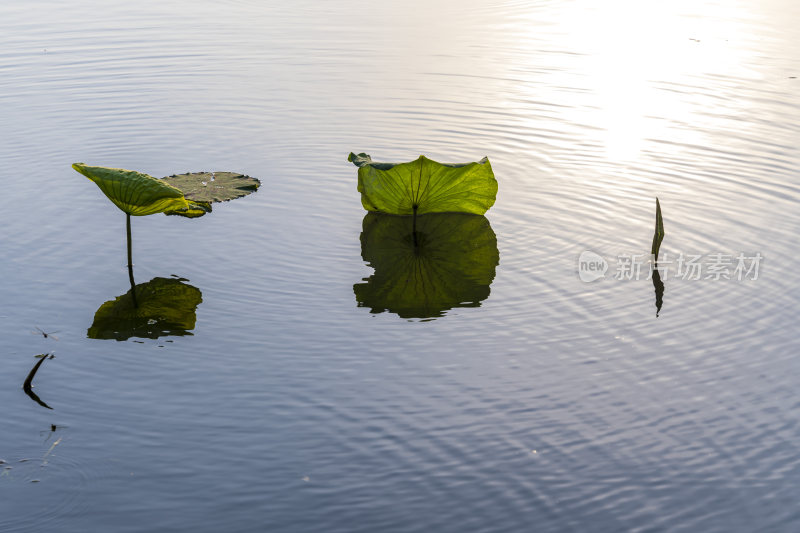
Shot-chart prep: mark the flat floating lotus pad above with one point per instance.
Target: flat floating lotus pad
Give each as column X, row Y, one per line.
column 213, row 186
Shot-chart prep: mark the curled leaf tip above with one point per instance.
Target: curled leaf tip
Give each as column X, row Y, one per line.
column 359, row 160
column 194, row 210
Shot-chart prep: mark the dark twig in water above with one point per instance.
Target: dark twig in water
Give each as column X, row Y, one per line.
column 27, row 385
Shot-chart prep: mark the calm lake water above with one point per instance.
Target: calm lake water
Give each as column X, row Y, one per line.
column 541, row 402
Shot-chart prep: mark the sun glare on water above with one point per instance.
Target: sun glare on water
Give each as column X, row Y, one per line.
column 641, row 59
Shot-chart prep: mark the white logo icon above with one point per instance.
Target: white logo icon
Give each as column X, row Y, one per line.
column 591, row 266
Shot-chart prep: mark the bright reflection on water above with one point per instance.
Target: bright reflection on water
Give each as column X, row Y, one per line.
column 547, row 401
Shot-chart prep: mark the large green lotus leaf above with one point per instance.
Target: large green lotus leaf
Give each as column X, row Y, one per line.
column 426, row 185
column 448, row 262
column 139, row 194
column 213, row 186
column 163, row 306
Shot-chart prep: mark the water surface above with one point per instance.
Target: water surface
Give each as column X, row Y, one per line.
column 290, row 407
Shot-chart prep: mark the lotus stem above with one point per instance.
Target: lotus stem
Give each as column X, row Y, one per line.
column 130, row 254
column 414, row 227
column 130, row 259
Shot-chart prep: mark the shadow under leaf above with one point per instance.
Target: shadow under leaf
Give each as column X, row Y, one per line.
column 428, row 266
column 162, row 307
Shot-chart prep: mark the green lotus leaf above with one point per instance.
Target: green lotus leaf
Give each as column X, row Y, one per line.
column 658, row 235
column 163, row 306
column 425, row 186
column 139, row 194
column 447, row 262
column 213, row 186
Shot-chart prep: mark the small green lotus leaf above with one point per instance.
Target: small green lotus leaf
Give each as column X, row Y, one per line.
column 136, row 193
column 163, row 306
column 425, row 186
column 658, row 235
column 213, row 186
column 422, row 269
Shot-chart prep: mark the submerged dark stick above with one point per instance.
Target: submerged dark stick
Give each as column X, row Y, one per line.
column 130, row 259
column 27, row 387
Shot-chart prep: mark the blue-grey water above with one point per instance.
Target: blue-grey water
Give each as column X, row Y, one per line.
column 548, row 404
